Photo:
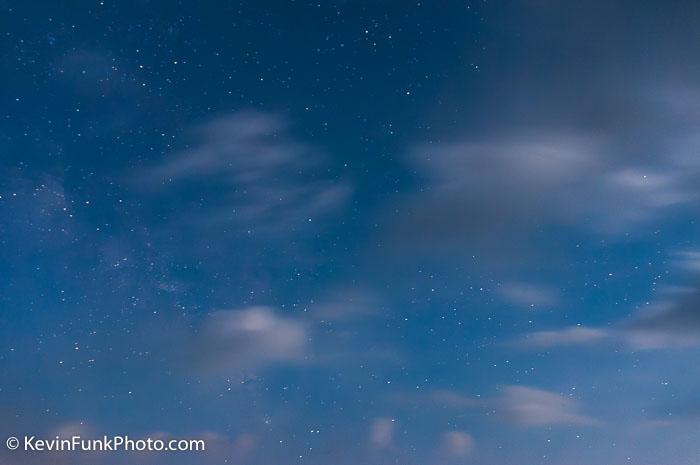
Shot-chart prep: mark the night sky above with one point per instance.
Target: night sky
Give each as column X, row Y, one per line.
column 352, row 232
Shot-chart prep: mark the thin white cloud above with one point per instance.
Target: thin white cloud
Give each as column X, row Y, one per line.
column 457, row 444
column 497, row 192
column 687, row 260
column 571, row 336
column 381, row 435
column 670, row 322
column 528, row 295
column 436, row 399
column 255, row 175
column 536, row 407
column 346, row 304
column 645, row 333
column 640, row 339
column 666, row 324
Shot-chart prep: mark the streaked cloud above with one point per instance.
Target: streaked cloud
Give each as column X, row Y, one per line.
column 499, row 195
column 253, row 173
column 536, row 407
column 665, row 324
column 662, row 325
column 437, row 399
column 345, row 304
column 528, row 295
column 571, row 336
column 687, row 260
column 521, row 181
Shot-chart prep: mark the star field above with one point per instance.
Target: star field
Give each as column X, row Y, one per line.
column 352, row 232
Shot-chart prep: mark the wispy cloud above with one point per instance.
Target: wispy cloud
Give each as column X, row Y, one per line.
column 346, row 304
column 528, row 295
column 665, row 324
column 571, row 336
column 437, row 399
column 687, row 260
column 503, row 195
column 535, row 407
column 517, row 183
column 661, row 325
column 253, row 173
column 671, row 321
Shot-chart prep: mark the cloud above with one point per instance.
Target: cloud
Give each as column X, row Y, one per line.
column 248, row 339
column 485, row 191
column 571, row 336
column 665, row 324
column 457, row 444
column 670, row 290
column 650, row 332
column 242, row 341
column 670, row 322
column 505, row 194
column 528, row 295
column 381, row 435
column 523, row 182
column 252, row 173
column 347, row 304
column 535, row 407
column 673, row 320
column 687, row 260
column 437, row 399
column 659, row 327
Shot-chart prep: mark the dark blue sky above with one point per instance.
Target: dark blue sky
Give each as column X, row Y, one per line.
column 352, row 232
